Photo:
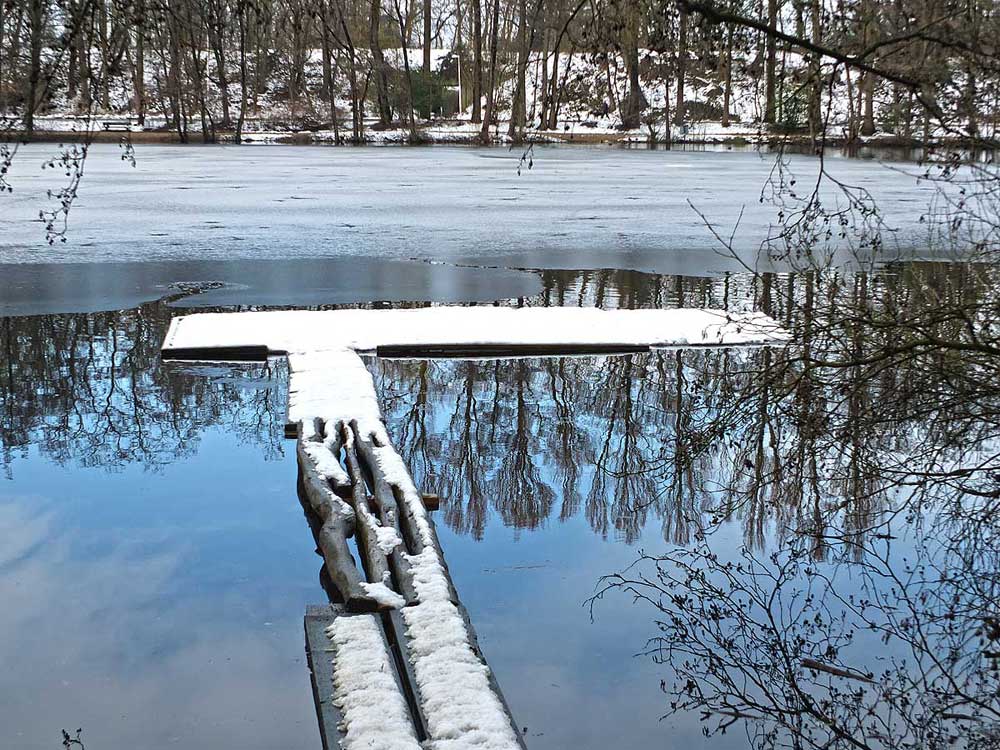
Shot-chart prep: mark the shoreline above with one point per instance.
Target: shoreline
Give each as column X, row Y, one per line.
column 432, row 136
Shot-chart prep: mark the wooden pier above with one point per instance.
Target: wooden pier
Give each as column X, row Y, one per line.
column 394, row 658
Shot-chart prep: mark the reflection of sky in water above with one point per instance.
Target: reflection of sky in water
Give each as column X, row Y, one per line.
column 160, row 609
column 163, row 607
column 156, row 609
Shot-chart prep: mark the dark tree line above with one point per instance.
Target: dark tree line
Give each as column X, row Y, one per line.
column 916, row 69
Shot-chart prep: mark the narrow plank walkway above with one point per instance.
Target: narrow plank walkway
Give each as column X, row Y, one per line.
column 405, row 669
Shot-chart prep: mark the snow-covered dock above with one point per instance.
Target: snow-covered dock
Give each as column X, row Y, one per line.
column 407, row 671
column 462, row 330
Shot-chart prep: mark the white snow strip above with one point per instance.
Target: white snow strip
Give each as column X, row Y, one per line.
column 388, row 539
column 463, row 712
column 364, row 688
column 298, row 331
column 326, row 463
column 334, row 385
column 384, row 595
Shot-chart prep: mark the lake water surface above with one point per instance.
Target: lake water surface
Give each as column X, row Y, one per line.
column 155, row 562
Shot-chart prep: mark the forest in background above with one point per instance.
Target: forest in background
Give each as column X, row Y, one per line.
column 505, row 69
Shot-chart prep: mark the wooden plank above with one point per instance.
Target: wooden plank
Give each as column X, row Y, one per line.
column 372, row 557
column 494, row 684
column 474, row 642
column 320, row 659
column 317, row 620
column 332, row 537
column 499, row 351
column 395, row 630
column 388, row 512
column 215, row 354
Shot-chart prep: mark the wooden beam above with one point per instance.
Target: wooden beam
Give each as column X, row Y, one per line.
column 501, row 351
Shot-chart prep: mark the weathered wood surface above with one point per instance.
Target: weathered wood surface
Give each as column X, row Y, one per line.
column 378, row 499
column 337, row 526
column 366, row 528
column 317, row 620
column 388, row 514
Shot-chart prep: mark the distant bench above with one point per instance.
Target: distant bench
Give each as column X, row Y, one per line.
column 124, row 125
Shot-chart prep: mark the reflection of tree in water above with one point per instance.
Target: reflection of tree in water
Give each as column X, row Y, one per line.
column 857, row 606
column 868, row 452
column 864, row 455
column 765, row 435
column 89, row 388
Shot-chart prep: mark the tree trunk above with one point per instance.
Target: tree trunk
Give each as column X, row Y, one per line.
column 868, row 92
column 242, row 8
column 518, row 106
column 357, row 113
column 409, row 116
column 105, row 82
column 174, row 78
column 771, row 53
column 216, row 27
column 727, row 77
column 381, row 79
column 543, row 114
column 329, row 80
column 36, row 19
column 139, row 77
column 425, row 105
column 682, row 53
column 72, row 81
column 484, row 133
column 867, row 82
column 553, row 104
column 477, row 60
column 632, row 106
column 815, row 73
column 3, row 68
column 427, row 37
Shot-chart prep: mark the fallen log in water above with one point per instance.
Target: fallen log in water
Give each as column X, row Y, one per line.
column 374, row 540
column 338, row 522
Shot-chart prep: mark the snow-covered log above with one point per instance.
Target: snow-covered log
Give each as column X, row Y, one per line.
column 337, row 524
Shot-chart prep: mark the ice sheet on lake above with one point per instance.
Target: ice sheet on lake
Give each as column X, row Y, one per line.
column 588, row 207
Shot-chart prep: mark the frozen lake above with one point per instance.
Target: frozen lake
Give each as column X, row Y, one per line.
column 371, row 224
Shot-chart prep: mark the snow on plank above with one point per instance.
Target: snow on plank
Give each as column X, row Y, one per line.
column 458, row 331
column 359, row 700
